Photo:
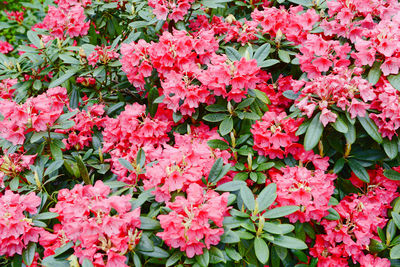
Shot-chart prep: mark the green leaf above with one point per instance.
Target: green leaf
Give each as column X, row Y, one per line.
column 46, row 216
column 314, row 133
column 261, row 249
column 204, row 259
column 245, row 103
column 280, row 212
column 69, row 59
column 339, row 165
column 215, row 170
column 174, row 258
column 87, row 263
column 157, row 253
column 306, row 3
column 359, row 170
column 217, row 144
column 279, row 229
column 37, row 136
column 56, row 151
column 216, row 256
column 395, row 252
column 126, row 164
column 268, row 63
column 53, row 167
column 115, row 107
column 351, row 134
column 396, row 219
column 375, row 73
column 216, row 108
column 333, row 215
column 215, row 3
column 34, row 39
column 233, row 254
column 231, row 186
column 391, row 147
column 215, row 117
column 262, row 53
column 394, row 81
column 370, row 127
column 232, row 53
column 149, row 224
column 266, row 197
column 226, row 126
column 289, row 242
column 230, row 237
column 284, row 56
column 29, row 253
column 340, row 125
column 141, row 158
column 392, row 175
column 68, row 74
column 247, row 197
column 83, row 170
column 262, row 96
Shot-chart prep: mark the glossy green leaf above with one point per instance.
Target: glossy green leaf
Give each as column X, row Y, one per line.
column 266, row 197
column 280, row 212
column 261, row 250
column 359, row 170
column 370, row 127
column 392, row 175
column 247, row 197
column 314, row 133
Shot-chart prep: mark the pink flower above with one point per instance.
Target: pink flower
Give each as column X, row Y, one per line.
column 188, row 226
column 85, row 214
column 16, row 230
column 311, row 190
column 5, row 47
column 274, row 132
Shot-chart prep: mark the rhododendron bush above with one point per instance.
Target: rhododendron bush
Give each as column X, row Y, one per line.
column 200, row 133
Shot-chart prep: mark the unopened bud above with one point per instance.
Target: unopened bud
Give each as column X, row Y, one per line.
column 250, row 161
column 82, row 53
column 38, row 183
column 278, row 37
column 230, row 18
column 233, row 139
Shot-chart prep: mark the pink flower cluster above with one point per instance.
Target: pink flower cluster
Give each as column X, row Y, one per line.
column 360, row 216
column 5, row 47
column 6, row 90
column 13, row 164
column 237, row 76
column 80, row 135
column 85, row 215
column 274, row 133
column 387, row 103
column 65, row 4
column 17, row 16
column 318, row 55
column 188, row 225
column 294, row 23
column 344, row 88
column 86, row 81
column 179, row 59
column 62, row 22
column 17, row 230
column 103, row 55
column 310, row 190
column 181, row 165
column 172, row 9
column 36, row 114
column 130, row 131
column 372, row 27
